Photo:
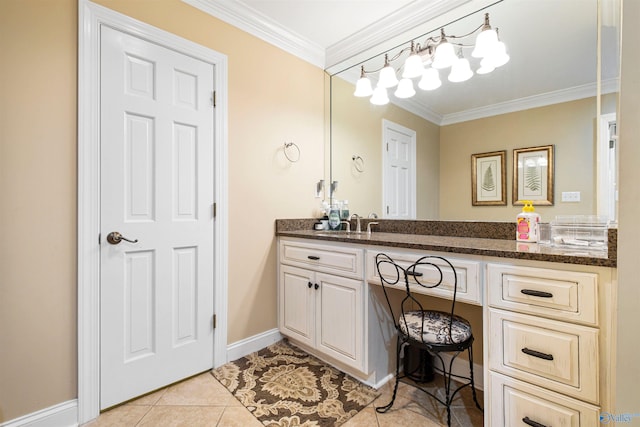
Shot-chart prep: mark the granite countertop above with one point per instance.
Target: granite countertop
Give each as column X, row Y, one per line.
column 496, row 247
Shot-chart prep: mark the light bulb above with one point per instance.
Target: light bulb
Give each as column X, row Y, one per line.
column 499, row 55
column 363, row 87
column 379, row 96
column 444, row 56
column 486, row 40
column 405, row 89
column 430, row 80
column 485, row 43
column 387, row 76
column 486, row 66
column 412, row 66
column 460, row 71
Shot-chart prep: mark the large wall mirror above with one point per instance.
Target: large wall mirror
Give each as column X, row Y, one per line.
column 558, row 89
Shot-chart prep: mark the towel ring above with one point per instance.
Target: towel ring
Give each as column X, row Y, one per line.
column 358, row 163
column 288, row 145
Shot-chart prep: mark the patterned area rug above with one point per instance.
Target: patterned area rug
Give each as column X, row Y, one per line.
column 284, row 386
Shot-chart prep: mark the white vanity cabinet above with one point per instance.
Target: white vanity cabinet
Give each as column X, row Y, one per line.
column 548, row 344
column 321, row 300
column 548, row 327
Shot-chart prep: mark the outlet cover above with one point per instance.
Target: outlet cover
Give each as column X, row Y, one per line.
column 571, row 196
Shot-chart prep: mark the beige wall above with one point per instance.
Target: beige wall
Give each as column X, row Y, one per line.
column 38, row 365
column 38, row 42
column 273, row 97
column 628, row 345
column 357, row 130
column 569, row 126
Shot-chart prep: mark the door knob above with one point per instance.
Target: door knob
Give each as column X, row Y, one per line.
column 114, row 238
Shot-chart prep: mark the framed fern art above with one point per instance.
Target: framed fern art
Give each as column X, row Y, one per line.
column 488, row 179
column 533, row 175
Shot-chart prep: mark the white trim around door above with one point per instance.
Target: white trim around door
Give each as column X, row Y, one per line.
column 91, row 18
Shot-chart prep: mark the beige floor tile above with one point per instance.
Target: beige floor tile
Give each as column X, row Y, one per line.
column 469, row 417
column 238, row 416
column 365, row 418
column 202, row 389
column 148, row 399
column 122, row 416
column 182, row 416
column 404, row 417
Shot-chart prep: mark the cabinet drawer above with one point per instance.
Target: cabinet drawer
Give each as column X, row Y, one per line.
column 555, row 355
column 520, row 404
column 467, row 272
column 341, row 260
column 557, row 294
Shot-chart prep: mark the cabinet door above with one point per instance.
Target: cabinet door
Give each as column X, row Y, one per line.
column 340, row 319
column 296, row 300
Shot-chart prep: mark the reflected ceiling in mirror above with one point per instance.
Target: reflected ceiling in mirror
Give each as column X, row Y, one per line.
column 552, row 48
column 546, row 94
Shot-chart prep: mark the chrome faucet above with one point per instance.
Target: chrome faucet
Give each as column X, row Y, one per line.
column 369, row 226
column 373, row 215
column 358, row 227
column 348, row 225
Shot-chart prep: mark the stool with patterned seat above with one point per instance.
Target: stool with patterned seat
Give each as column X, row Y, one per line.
column 434, row 331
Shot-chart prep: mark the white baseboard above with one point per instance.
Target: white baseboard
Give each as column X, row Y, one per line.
column 252, row 344
column 64, row 414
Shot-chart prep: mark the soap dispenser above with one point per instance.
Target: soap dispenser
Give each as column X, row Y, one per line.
column 334, row 217
column 527, row 223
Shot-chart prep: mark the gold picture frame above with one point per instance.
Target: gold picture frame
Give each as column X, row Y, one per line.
column 533, row 175
column 488, row 179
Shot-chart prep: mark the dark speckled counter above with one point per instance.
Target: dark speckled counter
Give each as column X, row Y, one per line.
column 465, row 237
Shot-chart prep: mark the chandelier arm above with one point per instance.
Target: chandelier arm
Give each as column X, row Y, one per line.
column 464, row 35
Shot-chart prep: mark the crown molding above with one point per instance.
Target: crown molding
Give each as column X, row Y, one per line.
column 412, row 105
column 248, row 19
column 535, row 101
column 390, row 31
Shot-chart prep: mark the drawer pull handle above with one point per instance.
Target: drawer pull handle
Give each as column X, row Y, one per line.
column 313, row 257
column 317, row 286
column 537, row 354
column 310, row 285
column 414, row 273
column 535, row 293
column 532, row 423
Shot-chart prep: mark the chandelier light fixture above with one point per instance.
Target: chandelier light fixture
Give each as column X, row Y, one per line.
column 427, row 60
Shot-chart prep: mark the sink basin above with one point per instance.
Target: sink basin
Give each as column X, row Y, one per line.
column 339, row 233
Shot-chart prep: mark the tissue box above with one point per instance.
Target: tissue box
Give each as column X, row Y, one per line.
column 580, row 231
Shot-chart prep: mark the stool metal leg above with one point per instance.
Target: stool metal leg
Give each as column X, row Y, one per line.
column 383, row 409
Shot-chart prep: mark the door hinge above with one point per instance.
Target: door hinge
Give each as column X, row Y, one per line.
column 99, row 238
column 387, row 210
column 215, row 209
column 215, row 321
column 213, row 99
column 387, row 146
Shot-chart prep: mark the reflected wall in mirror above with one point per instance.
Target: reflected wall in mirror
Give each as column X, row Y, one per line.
column 546, row 95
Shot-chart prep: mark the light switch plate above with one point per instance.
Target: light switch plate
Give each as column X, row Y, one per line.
column 571, row 196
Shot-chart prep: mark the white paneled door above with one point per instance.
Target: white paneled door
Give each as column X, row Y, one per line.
column 156, row 173
column 399, row 166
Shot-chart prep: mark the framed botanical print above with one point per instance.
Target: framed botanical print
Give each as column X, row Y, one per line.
column 533, row 175
column 488, row 179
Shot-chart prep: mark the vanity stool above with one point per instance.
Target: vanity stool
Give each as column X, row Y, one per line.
column 434, row 331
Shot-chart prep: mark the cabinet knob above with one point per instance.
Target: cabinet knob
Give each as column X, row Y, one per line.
column 317, row 286
column 310, row 285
